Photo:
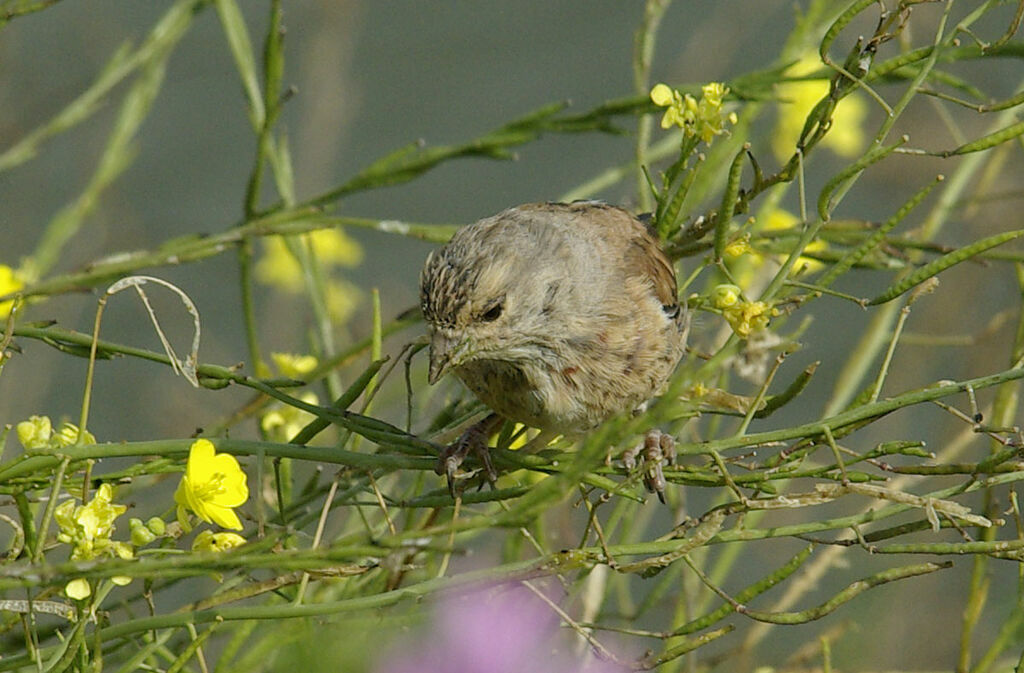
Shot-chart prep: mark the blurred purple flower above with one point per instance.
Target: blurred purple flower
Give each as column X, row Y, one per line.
column 491, row 632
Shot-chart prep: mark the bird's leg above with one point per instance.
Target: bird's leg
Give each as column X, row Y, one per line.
column 473, row 440
column 656, row 447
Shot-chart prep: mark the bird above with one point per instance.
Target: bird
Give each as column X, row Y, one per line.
column 557, row 316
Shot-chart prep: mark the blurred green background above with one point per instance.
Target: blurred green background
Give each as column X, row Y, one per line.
column 373, row 76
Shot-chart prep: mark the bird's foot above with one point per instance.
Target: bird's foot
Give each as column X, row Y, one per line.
column 473, row 440
column 657, row 448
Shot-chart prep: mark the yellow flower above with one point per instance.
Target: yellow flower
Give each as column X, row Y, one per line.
column 89, row 522
column 217, row 542
column 781, row 220
column 797, row 99
column 704, row 118
column 746, row 317
column 34, row 434
column 68, row 435
column 739, row 247
column 284, row 422
column 89, row 527
column 294, row 366
column 213, row 484
column 333, row 247
column 10, row 282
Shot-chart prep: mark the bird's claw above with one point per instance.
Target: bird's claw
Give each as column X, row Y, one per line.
column 473, row 440
column 448, row 466
column 656, row 448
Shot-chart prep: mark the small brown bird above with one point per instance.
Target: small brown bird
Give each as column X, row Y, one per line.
column 556, row 316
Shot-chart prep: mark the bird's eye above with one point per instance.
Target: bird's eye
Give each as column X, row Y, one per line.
column 493, row 313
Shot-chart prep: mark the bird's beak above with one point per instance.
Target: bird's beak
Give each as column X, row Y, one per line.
column 445, row 352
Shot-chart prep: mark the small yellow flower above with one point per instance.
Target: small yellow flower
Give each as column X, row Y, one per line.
column 739, row 247
column 213, row 484
column 68, row 435
column 284, row 421
column 747, row 317
column 34, row 434
column 292, row 365
column 797, row 99
column 10, row 282
column 88, row 528
column 781, row 220
column 725, row 295
column 217, row 542
column 89, row 522
column 704, row 118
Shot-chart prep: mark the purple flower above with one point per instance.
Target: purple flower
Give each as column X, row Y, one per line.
column 495, row 631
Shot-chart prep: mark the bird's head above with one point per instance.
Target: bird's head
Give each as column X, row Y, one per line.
column 486, row 295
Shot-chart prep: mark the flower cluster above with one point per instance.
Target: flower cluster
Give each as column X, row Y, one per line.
column 37, row 434
column 745, row 317
column 88, row 529
column 213, row 485
column 704, row 119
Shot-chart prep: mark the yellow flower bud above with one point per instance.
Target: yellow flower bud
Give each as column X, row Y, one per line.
column 661, row 95
column 140, row 534
column 217, row 542
column 724, row 296
column 78, row 589
column 156, row 525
